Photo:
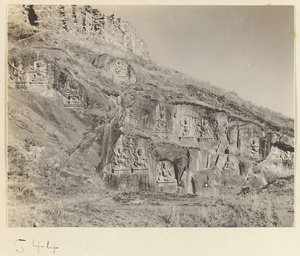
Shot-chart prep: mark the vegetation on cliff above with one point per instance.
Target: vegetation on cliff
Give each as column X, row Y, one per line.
column 85, row 102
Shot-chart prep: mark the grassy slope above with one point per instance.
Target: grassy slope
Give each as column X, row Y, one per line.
column 271, row 206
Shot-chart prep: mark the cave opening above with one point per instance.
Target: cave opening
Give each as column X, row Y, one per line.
column 32, row 16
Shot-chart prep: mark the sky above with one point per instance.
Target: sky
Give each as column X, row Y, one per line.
column 245, row 49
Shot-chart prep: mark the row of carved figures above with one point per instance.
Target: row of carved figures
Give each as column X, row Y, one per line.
column 202, row 129
column 122, row 161
column 32, row 75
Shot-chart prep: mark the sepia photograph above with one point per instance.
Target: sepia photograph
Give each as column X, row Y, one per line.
column 150, row 116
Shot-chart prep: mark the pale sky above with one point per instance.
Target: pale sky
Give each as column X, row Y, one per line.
column 245, row 49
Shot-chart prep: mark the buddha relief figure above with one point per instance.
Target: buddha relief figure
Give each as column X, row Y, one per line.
column 228, row 166
column 121, row 159
column 186, row 127
column 217, row 130
column 121, row 72
column 140, row 159
column 161, row 120
column 37, row 73
column 18, row 72
column 204, row 129
column 254, row 147
column 118, row 156
column 165, row 172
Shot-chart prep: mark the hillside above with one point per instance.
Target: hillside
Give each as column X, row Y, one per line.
column 90, row 116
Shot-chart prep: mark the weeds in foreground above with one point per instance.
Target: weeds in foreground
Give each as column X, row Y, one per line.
column 56, row 213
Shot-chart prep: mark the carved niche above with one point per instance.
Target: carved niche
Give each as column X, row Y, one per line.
column 253, row 147
column 205, row 132
column 37, row 74
column 185, row 123
column 121, row 158
column 18, row 74
column 228, row 166
column 165, row 173
column 122, row 72
column 72, row 96
column 32, row 75
column 162, row 125
column 140, row 163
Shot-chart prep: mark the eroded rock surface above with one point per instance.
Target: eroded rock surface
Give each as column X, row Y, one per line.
column 214, row 145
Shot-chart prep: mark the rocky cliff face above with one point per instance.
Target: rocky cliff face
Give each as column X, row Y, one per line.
column 84, row 21
column 97, row 105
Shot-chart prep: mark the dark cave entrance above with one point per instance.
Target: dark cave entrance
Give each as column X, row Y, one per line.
column 32, row 16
